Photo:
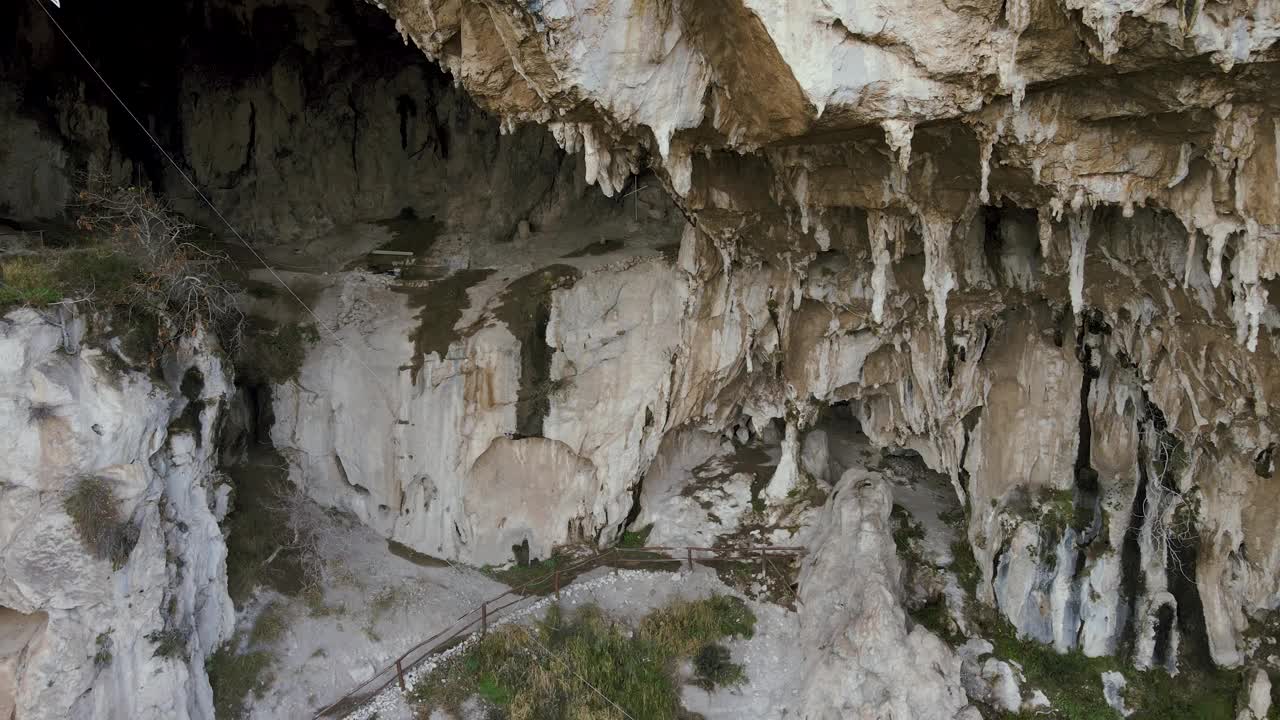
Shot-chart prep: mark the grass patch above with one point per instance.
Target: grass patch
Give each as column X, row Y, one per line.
column 49, row 276
column 511, row 670
column 233, row 676
column 965, row 566
column 243, row 664
column 1073, row 682
column 271, row 624
column 95, row 513
column 28, row 280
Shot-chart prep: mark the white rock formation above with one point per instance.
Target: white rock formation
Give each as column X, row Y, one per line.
column 860, row 659
column 80, row 636
column 1034, row 243
column 1113, row 685
column 1256, row 699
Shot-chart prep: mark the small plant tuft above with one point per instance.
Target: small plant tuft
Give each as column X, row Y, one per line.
column 40, row 413
column 95, row 512
column 170, row 642
column 102, row 657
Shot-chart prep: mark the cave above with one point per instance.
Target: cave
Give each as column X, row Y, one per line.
column 924, row 324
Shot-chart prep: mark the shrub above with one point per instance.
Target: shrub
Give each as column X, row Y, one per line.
column 153, row 262
column 714, row 668
column 170, row 642
column 95, row 512
column 102, row 657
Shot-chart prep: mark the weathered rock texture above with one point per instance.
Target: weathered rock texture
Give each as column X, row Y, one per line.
column 82, row 637
column 861, row 661
column 1033, row 241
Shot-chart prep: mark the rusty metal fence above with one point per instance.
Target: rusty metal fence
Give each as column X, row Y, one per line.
column 479, row 618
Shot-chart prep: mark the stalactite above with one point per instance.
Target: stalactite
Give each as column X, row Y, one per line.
column 939, row 279
column 1079, row 223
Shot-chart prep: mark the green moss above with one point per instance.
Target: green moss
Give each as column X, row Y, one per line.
column 540, row 672
column 635, row 538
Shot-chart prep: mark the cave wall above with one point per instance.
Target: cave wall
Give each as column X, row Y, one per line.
column 294, row 118
column 1035, row 242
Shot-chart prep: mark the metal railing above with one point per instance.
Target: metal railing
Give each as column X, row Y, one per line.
column 485, row 614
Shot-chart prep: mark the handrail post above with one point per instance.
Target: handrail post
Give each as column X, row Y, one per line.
column 556, row 579
column 484, row 618
column 764, row 568
column 400, row 676
column 689, row 553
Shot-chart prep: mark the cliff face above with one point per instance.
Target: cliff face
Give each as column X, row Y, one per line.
column 123, row 633
column 1034, row 242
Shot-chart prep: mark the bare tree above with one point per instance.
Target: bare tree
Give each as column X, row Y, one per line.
column 179, row 279
column 311, row 535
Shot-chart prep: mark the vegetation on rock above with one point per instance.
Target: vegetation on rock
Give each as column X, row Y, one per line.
column 95, row 512
column 548, row 671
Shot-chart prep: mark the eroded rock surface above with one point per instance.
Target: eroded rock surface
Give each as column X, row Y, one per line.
column 1034, row 243
column 87, row 636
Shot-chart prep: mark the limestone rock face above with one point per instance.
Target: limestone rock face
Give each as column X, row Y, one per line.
column 81, row 637
column 1030, row 241
column 1034, row 242
column 861, row 660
